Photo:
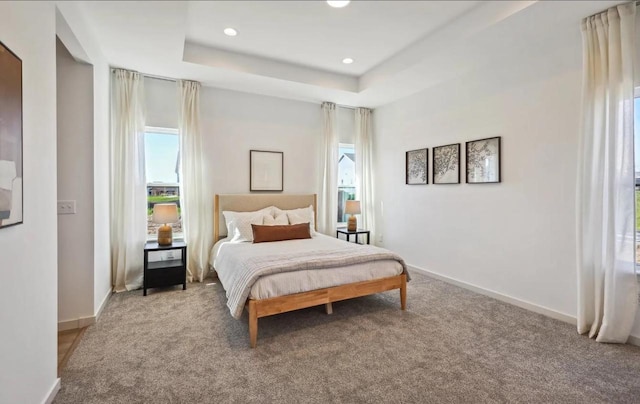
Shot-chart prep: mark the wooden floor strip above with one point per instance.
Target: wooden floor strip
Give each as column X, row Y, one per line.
column 67, row 343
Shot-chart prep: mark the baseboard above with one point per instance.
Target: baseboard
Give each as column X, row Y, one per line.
column 52, row 394
column 633, row 340
column 85, row 321
column 77, row 323
column 500, row 296
column 105, row 299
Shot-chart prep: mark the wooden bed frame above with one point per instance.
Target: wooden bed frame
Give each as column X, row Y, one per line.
column 282, row 304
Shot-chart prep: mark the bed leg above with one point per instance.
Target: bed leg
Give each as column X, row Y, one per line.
column 328, row 308
column 253, row 324
column 403, row 293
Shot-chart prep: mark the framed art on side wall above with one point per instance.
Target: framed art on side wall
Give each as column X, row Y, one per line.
column 416, row 166
column 483, row 161
column 446, row 164
column 266, row 170
column 10, row 138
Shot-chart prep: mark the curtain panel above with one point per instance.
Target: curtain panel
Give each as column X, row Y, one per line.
column 364, row 170
column 128, row 183
column 196, row 201
column 607, row 286
column 328, row 204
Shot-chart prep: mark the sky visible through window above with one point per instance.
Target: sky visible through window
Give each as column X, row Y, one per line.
column 347, row 149
column 161, row 154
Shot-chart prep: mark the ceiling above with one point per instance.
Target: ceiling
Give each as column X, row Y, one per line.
column 312, row 34
column 294, row 49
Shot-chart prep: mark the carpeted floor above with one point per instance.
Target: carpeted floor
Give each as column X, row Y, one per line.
column 450, row 346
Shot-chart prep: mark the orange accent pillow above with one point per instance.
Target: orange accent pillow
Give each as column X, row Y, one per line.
column 263, row 233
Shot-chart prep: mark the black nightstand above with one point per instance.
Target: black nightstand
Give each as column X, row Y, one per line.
column 347, row 233
column 159, row 274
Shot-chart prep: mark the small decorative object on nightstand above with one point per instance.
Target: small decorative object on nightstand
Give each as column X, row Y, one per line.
column 171, row 272
column 348, row 233
column 352, row 208
column 164, row 213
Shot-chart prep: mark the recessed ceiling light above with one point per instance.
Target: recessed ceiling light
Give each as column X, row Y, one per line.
column 230, row 32
column 338, row 3
column 347, row 61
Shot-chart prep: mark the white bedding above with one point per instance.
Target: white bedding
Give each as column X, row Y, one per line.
column 225, row 253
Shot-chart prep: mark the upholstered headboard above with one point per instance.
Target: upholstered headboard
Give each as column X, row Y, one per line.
column 251, row 202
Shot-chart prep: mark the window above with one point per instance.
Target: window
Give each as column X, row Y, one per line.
column 346, row 178
column 636, row 135
column 161, row 155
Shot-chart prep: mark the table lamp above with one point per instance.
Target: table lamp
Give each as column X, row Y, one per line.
column 352, row 208
column 164, row 213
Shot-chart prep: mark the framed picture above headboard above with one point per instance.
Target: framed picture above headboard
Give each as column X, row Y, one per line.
column 266, row 171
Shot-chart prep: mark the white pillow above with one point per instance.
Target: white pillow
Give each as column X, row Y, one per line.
column 280, row 219
column 306, row 215
column 239, row 224
column 297, row 219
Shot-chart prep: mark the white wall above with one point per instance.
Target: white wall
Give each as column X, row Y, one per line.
column 101, row 181
column 161, row 97
column 233, row 123
column 346, row 118
column 78, row 38
column 75, row 182
column 28, row 252
column 516, row 238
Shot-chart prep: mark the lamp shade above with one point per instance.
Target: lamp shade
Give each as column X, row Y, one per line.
column 352, row 208
column 165, row 213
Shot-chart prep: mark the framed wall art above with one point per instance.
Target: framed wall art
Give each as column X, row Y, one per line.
column 11, row 202
column 446, row 164
column 416, row 166
column 266, row 168
column 483, row 161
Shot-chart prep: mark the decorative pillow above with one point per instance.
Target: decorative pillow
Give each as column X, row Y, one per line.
column 262, row 234
column 295, row 218
column 281, row 219
column 306, row 213
column 239, row 224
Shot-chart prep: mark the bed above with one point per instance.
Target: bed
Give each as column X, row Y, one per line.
column 277, row 277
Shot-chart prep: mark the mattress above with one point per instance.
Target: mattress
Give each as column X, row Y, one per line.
column 287, row 283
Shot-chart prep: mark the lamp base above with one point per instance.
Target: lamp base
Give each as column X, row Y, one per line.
column 165, row 235
column 353, row 223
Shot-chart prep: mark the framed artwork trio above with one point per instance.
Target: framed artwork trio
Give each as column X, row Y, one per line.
column 482, row 163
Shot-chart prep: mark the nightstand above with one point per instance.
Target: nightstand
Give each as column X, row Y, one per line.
column 159, row 274
column 348, row 233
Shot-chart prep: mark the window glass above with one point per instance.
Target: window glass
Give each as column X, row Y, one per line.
column 636, row 135
column 162, row 152
column 346, row 178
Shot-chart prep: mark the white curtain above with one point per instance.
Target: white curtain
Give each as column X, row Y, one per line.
column 328, row 204
column 128, row 184
column 607, row 287
column 195, row 199
column 364, row 171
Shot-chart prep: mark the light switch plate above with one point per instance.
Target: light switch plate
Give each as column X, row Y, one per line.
column 66, row 207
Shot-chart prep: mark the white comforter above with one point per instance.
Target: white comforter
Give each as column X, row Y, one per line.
column 227, row 257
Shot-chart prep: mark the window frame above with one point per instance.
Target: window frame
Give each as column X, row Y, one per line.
column 344, row 146
column 636, row 96
column 164, row 131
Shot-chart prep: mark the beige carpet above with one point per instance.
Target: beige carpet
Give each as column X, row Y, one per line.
column 450, row 346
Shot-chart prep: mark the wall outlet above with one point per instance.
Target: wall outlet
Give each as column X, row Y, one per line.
column 66, row 207
column 169, row 255
column 380, row 239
